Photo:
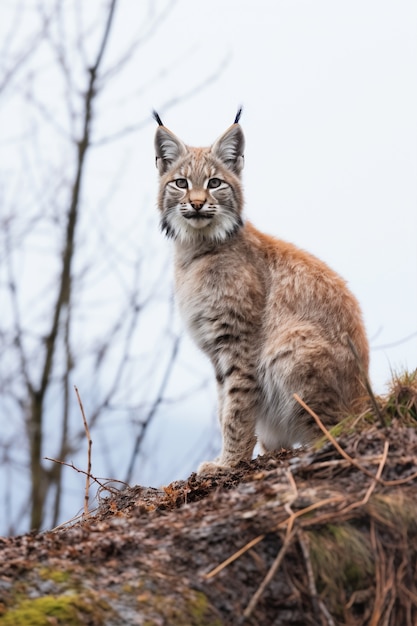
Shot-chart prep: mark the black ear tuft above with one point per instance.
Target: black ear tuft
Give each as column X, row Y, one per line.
column 238, row 114
column 157, row 118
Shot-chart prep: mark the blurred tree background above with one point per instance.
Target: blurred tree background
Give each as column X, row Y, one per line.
column 81, row 273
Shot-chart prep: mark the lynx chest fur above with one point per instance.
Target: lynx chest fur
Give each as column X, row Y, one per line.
column 273, row 319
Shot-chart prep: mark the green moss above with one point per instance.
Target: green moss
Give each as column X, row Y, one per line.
column 396, row 509
column 342, row 561
column 199, row 610
column 65, row 610
column 57, row 576
column 195, row 610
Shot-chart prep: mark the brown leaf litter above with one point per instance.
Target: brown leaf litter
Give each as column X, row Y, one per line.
column 306, row 537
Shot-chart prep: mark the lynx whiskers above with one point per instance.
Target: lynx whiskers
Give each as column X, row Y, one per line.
column 273, row 319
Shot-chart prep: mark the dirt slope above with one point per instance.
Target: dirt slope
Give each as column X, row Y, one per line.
column 326, row 536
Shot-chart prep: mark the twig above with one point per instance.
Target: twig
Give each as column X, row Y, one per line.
column 312, row 507
column 330, row 437
column 318, row 605
column 289, row 521
column 336, row 463
column 345, row 455
column 90, row 443
column 304, row 544
column 399, row 481
column 378, row 597
column 366, row 382
column 292, row 482
column 153, row 409
column 93, row 478
column 374, row 482
column 269, row 576
column 70, row 521
column 234, row 556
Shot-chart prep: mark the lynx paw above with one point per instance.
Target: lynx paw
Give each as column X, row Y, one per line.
column 211, row 467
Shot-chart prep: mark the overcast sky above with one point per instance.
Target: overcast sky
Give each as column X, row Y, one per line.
column 330, row 98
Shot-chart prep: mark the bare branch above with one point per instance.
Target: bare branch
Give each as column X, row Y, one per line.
column 22, row 58
column 394, row 344
column 64, row 291
column 152, row 411
column 139, row 41
column 193, row 91
column 89, row 444
column 100, row 481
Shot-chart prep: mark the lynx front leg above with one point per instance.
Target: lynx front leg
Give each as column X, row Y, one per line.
column 238, row 398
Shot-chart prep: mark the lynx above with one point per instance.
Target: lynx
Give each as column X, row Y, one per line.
column 273, row 319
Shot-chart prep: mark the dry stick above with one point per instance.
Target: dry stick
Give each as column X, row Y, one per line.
column 234, row 556
column 372, row 460
column 90, row 443
column 345, row 455
column 366, row 382
column 70, row 521
column 376, row 612
column 288, row 521
column 93, row 478
column 292, row 482
column 374, row 482
column 250, row 544
column 399, row 481
column 318, row 605
column 330, row 437
column 271, row 573
column 412, row 596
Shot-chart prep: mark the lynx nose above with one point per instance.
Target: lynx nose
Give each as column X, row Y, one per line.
column 197, row 205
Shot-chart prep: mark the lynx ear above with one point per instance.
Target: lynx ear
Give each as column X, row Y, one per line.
column 168, row 147
column 230, row 147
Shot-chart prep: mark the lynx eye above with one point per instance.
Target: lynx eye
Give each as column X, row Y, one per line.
column 182, row 183
column 213, row 183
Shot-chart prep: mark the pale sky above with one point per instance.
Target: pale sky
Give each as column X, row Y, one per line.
column 329, row 91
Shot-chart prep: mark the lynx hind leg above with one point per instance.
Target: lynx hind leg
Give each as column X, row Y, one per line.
column 304, row 363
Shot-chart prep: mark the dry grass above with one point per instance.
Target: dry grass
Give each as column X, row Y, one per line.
column 320, row 537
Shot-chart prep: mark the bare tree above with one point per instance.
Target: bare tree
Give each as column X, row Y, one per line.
column 73, row 293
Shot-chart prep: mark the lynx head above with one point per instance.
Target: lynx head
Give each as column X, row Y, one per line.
column 200, row 196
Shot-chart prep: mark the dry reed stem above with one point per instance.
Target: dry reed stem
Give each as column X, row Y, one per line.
column 399, row 481
column 234, row 556
column 90, row 443
column 318, row 605
column 345, row 455
column 374, row 483
column 304, row 545
column 332, row 440
column 289, row 521
column 269, row 576
column 292, row 482
column 76, row 518
column 367, row 382
column 380, row 577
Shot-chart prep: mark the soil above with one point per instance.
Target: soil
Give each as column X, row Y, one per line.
column 320, row 536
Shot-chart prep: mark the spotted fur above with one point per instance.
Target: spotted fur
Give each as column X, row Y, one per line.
column 273, row 319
